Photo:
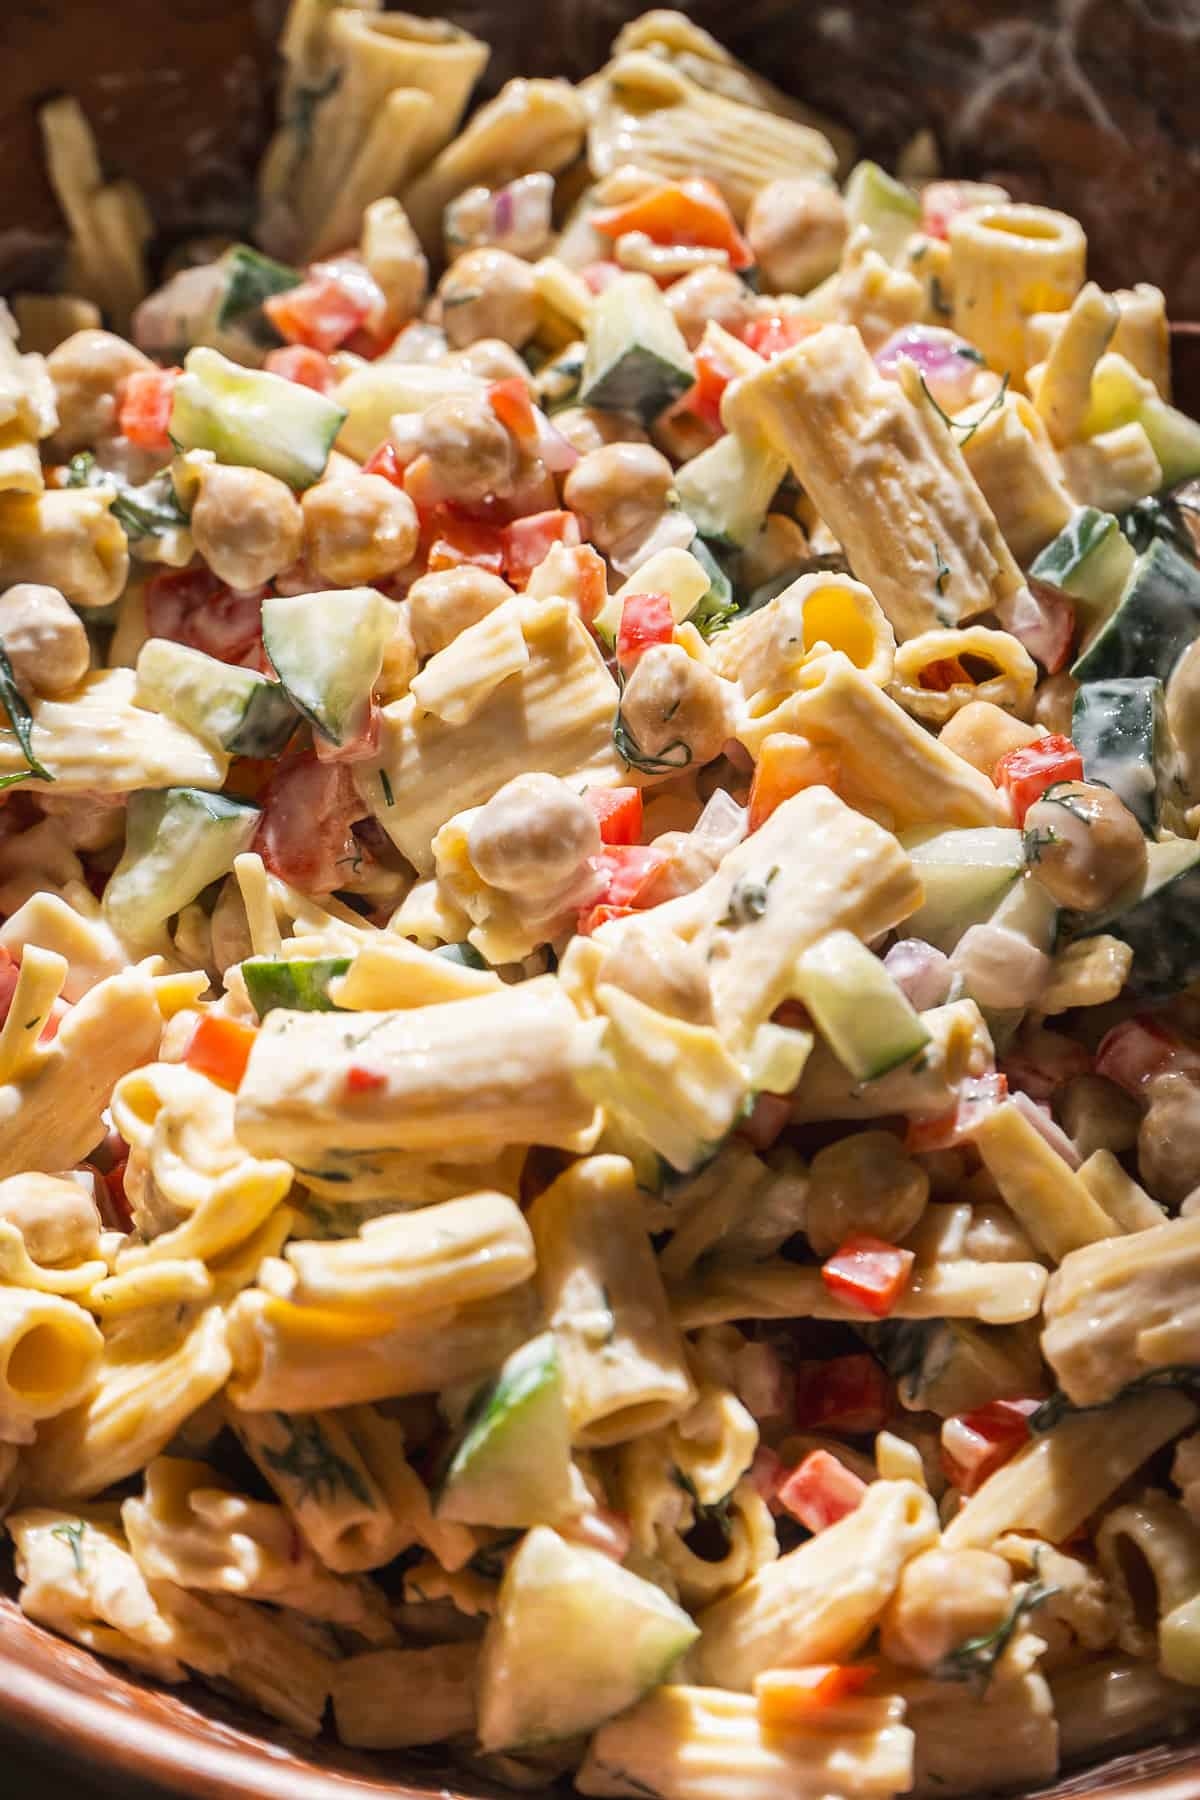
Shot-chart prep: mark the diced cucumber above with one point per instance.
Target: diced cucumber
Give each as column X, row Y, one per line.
column 575, row 1638
column 253, row 419
column 327, row 650
column 297, row 984
column 1159, row 918
column 177, row 840
column 637, row 360
column 949, row 1366
column 860, row 1011
column 890, row 211
column 1091, row 559
column 251, row 278
column 965, row 874
column 1028, row 910
column 679, row 574
column 233, row 709
column 1155, row 619
column 727, row 489
column 1174, row 438
column 513, row 1466
column 714, row 609
column 376, row 391
column 1120, row 729
column 466, row 954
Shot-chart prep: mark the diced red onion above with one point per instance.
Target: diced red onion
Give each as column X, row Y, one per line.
column 923, row 973
column 1043, row 620
column 556, row 451
column 947, row 362
column 1039, row 1117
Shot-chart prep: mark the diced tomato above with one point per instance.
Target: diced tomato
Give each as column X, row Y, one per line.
column 1132, row 1053
column 1027, row 772
column 460, row 541
column 646, row 620
column 680, row 212
column 848, row 1394
column 713, row 376
column 304, row 833
column 527, row 542
column 422, row 486
column 821, row 1491
column 320, row 314
column 628, row 869
column 942, row 201
column 601, row 275
column 767, row 1473
column 1042, row 618
column 940, row 677
column 595, row 916
column 249, row 775
column 976, row 1444
column 790, row 1697
column 778, row 332
column 359, row 748
column 363, row 1081
column 587, row 583
column 786, row 764
column 768, row 1117
column 297, row 362
column 145, row 409
column 513, row 406
column 386, row 462
column 868, row 1273
column 190, row 606
column 117, row 1215
column 618, row 812
column 1040, row 1062
column 220, row 1048
column 978, row 1096
column 369, row 343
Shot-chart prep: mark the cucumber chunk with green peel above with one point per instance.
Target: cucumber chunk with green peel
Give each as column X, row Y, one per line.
column 297, row 984
column 965, row 874
column 727, row 489
column 252, row 419
column 1120, row 729
column 890, row 211
column 327, row 650
column 177, row 841
column 863, row 1015
column 1155, row 619
column 1091, row 559
column 574, row 1639
column 1158, row 917
column 464, row 953
column 1028, row 910
column 513, row 1465
column 637, row 360
column 234, row 709
column 251, row 278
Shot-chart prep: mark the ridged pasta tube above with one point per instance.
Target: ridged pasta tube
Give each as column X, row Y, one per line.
column 1047, row 1197
column 387, row 155
column 49, row 1355
column 820, row 1602
column 1010, row 1731
column 997, row 1293
column 1064, row 387
column 1149, row 1552
column 1019, row 476
column 927, row 683
column 1008, row 263
column 885, row 474
column 818, row 612
column 67, row 538
column 622, row 1356
column 391, row 1699
column 456, row 682
column 96, row 740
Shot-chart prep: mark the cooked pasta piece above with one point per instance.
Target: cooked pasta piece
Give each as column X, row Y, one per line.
column 1119, row 1308
column 930, row 680
column 391, row 1699
column 1007, row 263
column 1012, row 459
column 1049, row 1199
column 994, row 1293
column 1010, row 1731
column 1149, row 1552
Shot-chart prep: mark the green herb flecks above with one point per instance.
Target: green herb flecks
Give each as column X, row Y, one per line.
column 1179, row 1377
column 71, row 1534
column 311, row 1461
column 969, row 353
column 941, row 568
column 21, row 720
column 141, row 512
column 672, row 757
column 975, row 1660
column 967, row 428
column 1034, row 842
column 385, row 784
column 1057, row 795
column 937, row 298
column 748, row 901
column 717, row 1514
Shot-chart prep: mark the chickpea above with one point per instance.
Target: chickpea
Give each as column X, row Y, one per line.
column 944, row 1597
column 358, row 528
column 43, row 639
column 589, row 428
column 1098, row 1115
column 670, row 699
column 863, row 1183
column 1183, row 711
column 488, row 294
column 618, row 491
column 1054, row 703
column 55, row 1216
column 1084, row 843
column 491, row 359
column 659, row 969
column 1169, row 1138
column 532, row 837
column 710, row 294
column 246, row 525
column 982, row 733
column 444, row 603
column 472, row 454
column 399, row 656
column 797, row 229
column 87, row 371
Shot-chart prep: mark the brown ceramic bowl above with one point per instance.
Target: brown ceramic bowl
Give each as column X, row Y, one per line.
column 1088, row 104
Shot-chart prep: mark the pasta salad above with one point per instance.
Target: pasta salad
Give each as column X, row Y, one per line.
column 600, row 1065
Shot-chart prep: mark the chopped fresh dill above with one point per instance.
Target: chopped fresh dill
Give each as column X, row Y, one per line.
column 311, row 1461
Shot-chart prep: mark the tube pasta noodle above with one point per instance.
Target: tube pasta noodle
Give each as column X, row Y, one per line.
column 1064, row 388
column 812, row 616
column 916, row 675
column 1012, row 1732
column 109, row 225
column 1010, row 456
column 994, row 1293
column 1128, row 1206
column 98, row 741
column 1149, row 1552
column 623, row 1365
column 389, row 1699
column 1008, row 263
column 1051, row 1202
column 49, row 1356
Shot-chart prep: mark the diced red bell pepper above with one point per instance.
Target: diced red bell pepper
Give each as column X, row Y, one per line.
column 692, row 211
column 309, row 368
column 527, row 542
column 618, row 812
column 788, row 1698
column 1026, row 773
column 513, row 406
column 939, row 677
column 942, row 201
column 646, row 620
column 145, row 410
column 117, row 1214
column 601, row 275
column 846, row 1394
column 460, row 541
column 320, row 314
column 386, row 462
column 821, row 1491
column 976, row 1444
column 190, row 606
column 713, row 376
column 422, row 486
column 220, row 1048
column 1132, row 1053
column 868, row 1273
column 978, row 1096
column 363, row 1081
column 788, row 763
column 595, row 916
column 778, row 332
